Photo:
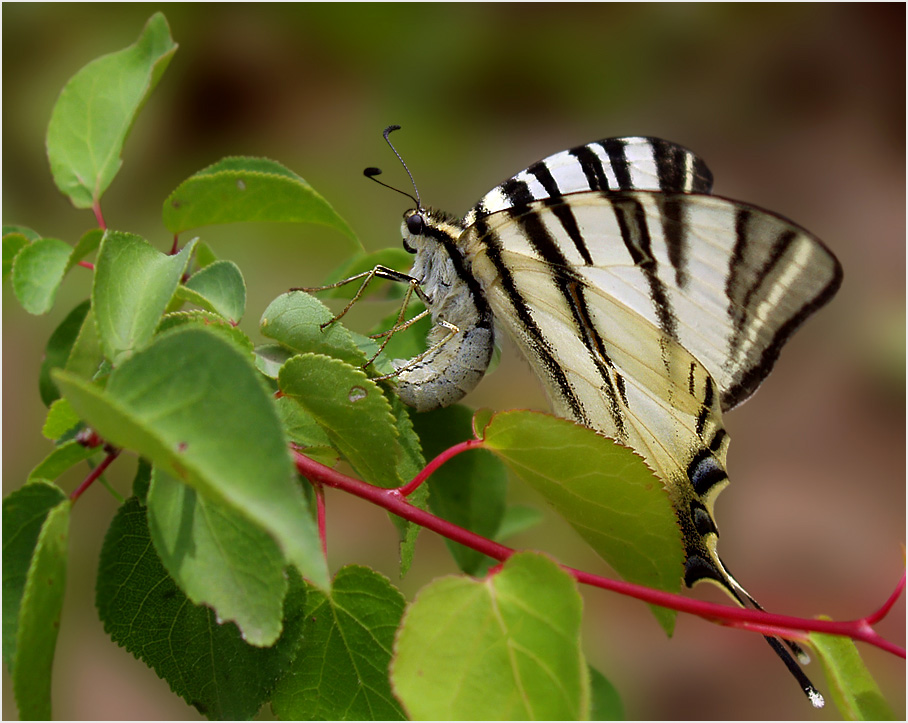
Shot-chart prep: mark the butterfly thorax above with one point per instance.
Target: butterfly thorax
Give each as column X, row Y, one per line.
column 462, row 340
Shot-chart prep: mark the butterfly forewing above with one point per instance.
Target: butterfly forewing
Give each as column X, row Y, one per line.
column 728, row 281
column 612, row 164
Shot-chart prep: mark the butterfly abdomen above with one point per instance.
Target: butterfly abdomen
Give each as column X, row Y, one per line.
column 461, row 342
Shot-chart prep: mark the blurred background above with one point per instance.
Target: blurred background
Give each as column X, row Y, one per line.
column 799, row 108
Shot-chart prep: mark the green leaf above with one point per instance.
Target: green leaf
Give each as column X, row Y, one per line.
column 61, row 418
column 89, row 241
column 194, row 405
column 13, row 243
column 468, row 490
column 269, row 358
column 61, row 459
column 85, row 357
column 58, row 349
column 206, row 663
column 405, row 343
column 210, row 321
column 295, row 320
column 142, row 480
column 517, row 519
column 218, row 558
column 96, row 109
column 204, row 255
column 35, row 533
column 29, row 233
column 133, row 285
column 351, row 409
column 604, row 490
column 240, row 189
column 503, row 648
column 605, row 703
column 410, row 463
column 342, row 670
column 24, row 514
column 219, row 288
column 37, row 272
column 853, row 689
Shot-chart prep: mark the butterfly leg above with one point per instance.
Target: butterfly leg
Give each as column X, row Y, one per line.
column 452, row 332
column 380, row 272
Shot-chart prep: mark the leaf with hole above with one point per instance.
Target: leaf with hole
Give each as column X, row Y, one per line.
column 241, row 189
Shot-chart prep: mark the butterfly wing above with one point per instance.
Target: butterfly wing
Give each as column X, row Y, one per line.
column 730, row 282
column 648, row 313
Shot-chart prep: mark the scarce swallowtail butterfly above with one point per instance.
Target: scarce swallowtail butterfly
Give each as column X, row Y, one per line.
column 646, row 305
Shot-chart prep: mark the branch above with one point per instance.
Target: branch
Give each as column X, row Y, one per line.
column 394, row 500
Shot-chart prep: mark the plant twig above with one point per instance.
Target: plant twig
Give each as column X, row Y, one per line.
column 394, row 500
column 112, row 454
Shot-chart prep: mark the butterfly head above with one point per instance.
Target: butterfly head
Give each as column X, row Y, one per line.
column 426, row 227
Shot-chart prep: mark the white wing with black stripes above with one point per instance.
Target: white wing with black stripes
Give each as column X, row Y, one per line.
column 645, row 305
column 729, row 281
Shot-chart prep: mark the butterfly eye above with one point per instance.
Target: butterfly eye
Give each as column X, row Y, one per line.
column 415, row 224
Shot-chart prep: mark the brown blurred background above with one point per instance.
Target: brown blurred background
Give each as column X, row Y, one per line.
column 797, row 108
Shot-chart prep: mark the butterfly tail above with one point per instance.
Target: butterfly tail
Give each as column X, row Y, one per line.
column 720, row 575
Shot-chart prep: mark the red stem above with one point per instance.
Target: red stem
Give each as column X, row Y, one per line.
column 320, row 511
column 94, row 474
column 430, row 468
column 87, row 265
column 394, row 500
column 96, row 207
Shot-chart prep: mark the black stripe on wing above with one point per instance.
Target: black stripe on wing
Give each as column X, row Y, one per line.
column 749, row 292
column 540, row 345
column 610, row 164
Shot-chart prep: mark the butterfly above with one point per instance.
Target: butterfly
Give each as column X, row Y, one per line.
column 646, row 306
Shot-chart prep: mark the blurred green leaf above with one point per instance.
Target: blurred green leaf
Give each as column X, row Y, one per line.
column 517, row 519
column 503, row 648
column 30, row 234
column 218, row 558
column 58, row 348
column 604, row 490
column 203, row 661
column 85, row 356
column 35, row 547
column 38, row 269
column 13, row 243
column 269, row 358
column 241, row 189
column 342, row 670
column 61, row 418
column 851, row 686
column 605, row 703
column 59, row 460
column 219, row 288
column 194, row 405
column 89, row 242
column 96, row 109
column 133, row 284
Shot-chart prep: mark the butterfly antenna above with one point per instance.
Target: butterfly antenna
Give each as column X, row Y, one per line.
column 373, row 172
